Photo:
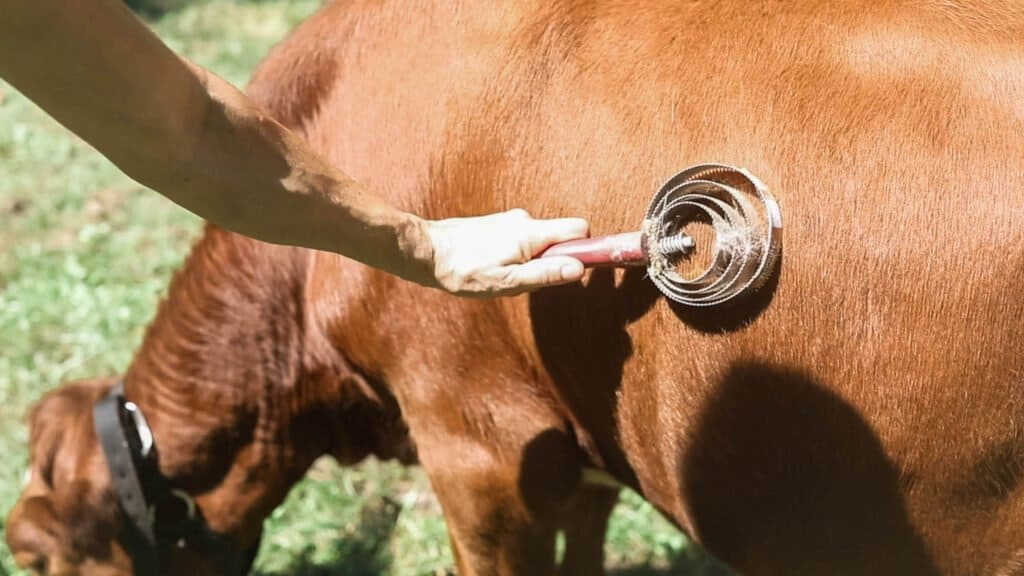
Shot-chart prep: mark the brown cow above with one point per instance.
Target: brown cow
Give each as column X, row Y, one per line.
column 862, row 415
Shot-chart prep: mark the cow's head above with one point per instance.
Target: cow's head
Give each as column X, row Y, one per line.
column 66, row 518
column 69, row 520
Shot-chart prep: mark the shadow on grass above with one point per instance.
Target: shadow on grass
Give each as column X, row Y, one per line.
column 364, row 552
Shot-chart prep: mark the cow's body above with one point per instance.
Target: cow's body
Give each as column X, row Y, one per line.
column 863, row 414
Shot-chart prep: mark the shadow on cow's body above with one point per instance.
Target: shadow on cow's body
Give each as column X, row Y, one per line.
column 803, row 482
column 862, row 414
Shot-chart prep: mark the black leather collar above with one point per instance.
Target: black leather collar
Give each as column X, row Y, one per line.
column 159, row 516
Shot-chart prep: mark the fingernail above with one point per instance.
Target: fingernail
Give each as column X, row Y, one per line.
column 572, row 269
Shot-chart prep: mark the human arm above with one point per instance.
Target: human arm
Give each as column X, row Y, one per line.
column 191, row 136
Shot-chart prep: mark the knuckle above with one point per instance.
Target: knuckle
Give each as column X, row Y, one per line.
column 524, row 251
column 454, row 280
column 509, row 279
column 462, row 280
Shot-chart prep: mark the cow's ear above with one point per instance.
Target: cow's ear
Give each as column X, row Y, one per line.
column 67, row 509
column 33, row 532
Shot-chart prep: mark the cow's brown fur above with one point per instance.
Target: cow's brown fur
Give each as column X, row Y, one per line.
column 862, row 415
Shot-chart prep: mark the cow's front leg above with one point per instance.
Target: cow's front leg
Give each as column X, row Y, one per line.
column 504, row 503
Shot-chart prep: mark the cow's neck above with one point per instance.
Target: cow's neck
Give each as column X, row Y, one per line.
column 238, row 409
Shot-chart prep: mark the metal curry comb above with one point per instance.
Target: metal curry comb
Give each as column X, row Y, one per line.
column 743, row 215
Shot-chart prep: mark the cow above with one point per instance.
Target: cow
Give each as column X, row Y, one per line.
column 861, row 413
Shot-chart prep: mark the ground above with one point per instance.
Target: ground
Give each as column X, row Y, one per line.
column 85, row 254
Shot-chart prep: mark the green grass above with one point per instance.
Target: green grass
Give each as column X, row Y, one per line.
column 85, row 254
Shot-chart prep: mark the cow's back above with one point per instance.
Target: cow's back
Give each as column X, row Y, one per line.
column 864, row 410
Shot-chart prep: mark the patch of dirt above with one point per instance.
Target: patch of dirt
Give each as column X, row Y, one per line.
column 16, row 206
column 104, row 202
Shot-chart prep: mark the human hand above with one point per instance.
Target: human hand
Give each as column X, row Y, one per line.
column 491, row 255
